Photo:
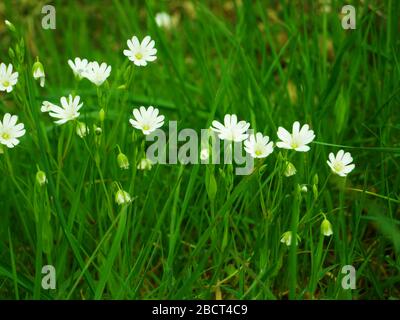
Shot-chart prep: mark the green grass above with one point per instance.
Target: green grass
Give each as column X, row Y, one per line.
column 196, row 231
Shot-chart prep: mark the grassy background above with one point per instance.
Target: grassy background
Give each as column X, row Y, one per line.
column 270, row 62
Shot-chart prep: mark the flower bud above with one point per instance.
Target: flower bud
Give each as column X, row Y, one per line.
column 10, row 26
column 145, row 164
column 326, row 228
column 315, row 179
column 123, row 161
column 287, row 238
column 41, row 178
column 303, row 188
column 98, row 131
column 102, row 115
column 38, row 72
column 82, row 129
column 122, row 197
column 11, row 53
column 290, row 169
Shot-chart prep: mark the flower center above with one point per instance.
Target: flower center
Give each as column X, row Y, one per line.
column 258, row 152
column 6, row 83
column 338, row 166
column 5, row 136
column 146, row 127
column 139, row 56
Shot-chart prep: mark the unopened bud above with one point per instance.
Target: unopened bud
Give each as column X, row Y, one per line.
column 123, row 161
column 102, row 115
column 10, row 26
column 38, row 72
column 41, row 178
column 326, row 228
column 290, row 169
column 122, row 197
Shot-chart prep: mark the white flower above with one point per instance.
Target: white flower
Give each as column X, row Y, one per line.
column 231, row 130
column 298, row 139
column 8, row 78
column 163, row 20
column 145, row 164
column 141, row 53
column 122, row 197
column 78, row 66
column 68, row 110
column 82, row 130
column 341, row 164
column 258, row 146
column 147, row 120
column 287, row 238
column 38, row 72
column 10, row 131
column 326, row 228
column 46, row 106
column 96, row 73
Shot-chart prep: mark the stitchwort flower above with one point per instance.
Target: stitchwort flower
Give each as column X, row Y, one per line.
column 341, row 164
column 10, row 131
column 68, row 110
column 231, row 130
column 8, row 78
column 258, row 146
column 97, row 73
column 147, row 120
column 298, row 139
column 141, row 52
column 78, row 66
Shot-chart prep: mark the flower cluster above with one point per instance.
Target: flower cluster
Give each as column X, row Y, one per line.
column 260, row 146
column 93, row 71
column 10, row 131
column 148, row 120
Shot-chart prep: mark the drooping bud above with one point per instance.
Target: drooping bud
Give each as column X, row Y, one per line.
column 123, row 161
column 38, row 72
column 303, row 188
column 41, row 178
column 326, row 228
column 122, row 197
column 82, row 129
column 290, row 169
column 287, row 238
column 145, row 164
